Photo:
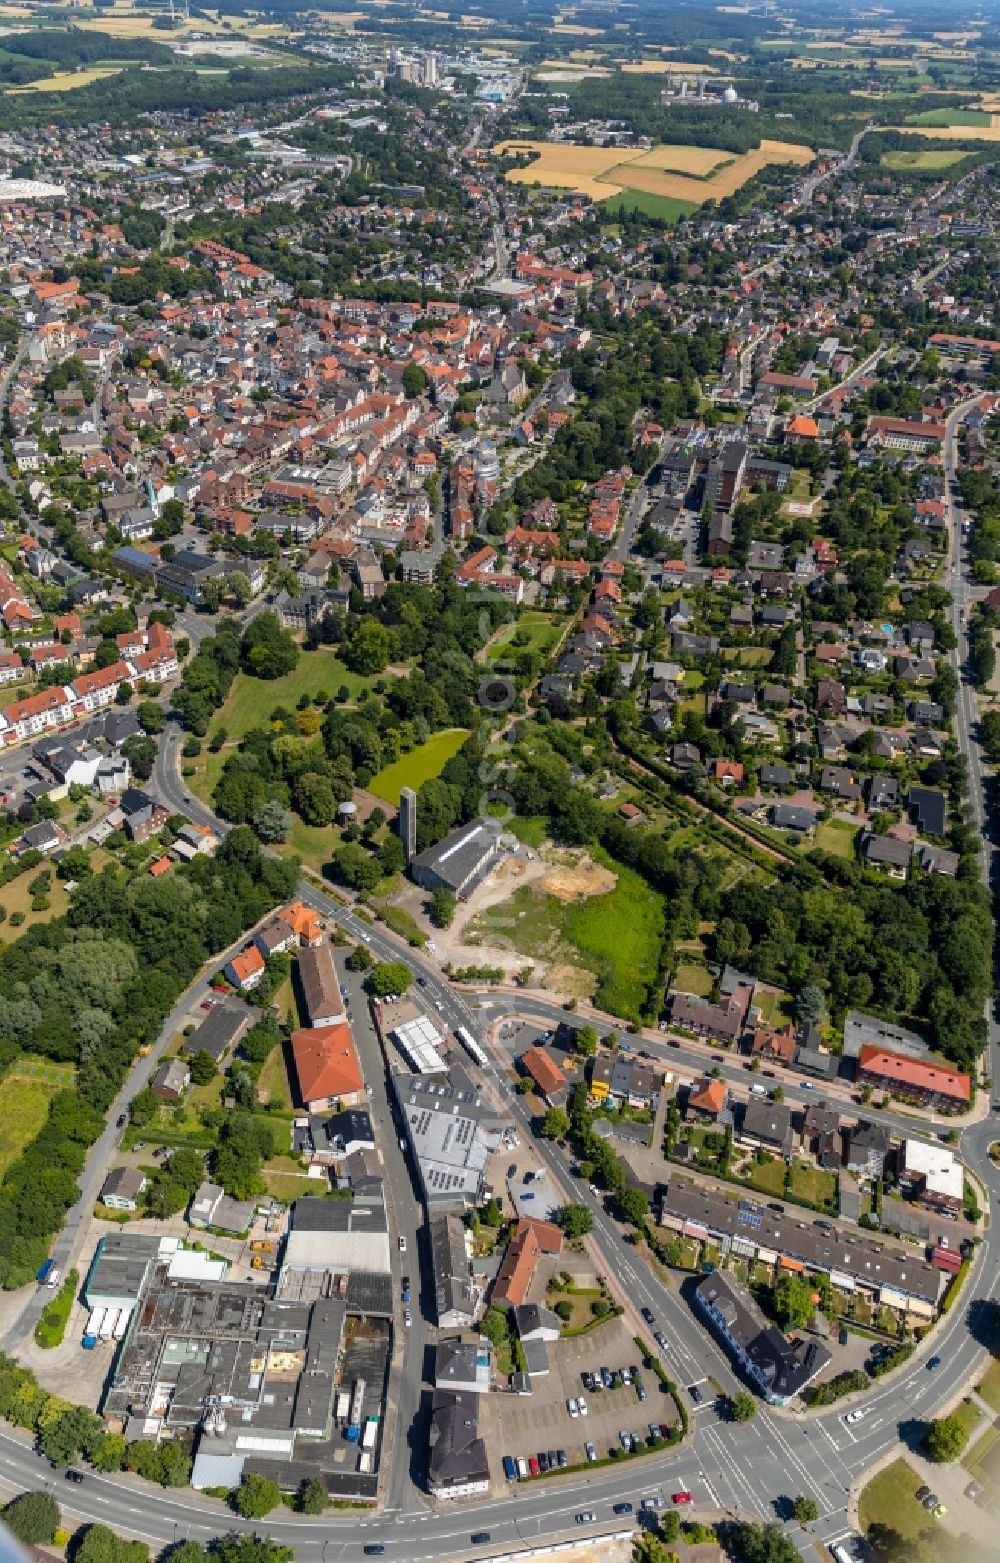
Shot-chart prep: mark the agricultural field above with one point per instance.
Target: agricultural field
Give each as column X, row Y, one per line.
column 947, row 117
column 682, row 173
column 423, row 762
column 25, row 1094
column 660, row 67
column 666, row 207
column 69, row 81
column 962, row 133
column 927, row 162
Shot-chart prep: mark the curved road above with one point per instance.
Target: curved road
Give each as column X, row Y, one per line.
column 727, row 1466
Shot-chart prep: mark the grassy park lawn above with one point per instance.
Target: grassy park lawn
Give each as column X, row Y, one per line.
column 531, row 632
column 24, row 1103
column 423, row 762
column 837, row 837
column 691, row 978
column 890, row 1500
column 251, row 700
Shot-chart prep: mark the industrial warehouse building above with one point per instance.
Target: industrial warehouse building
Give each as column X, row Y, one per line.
column 452, row 1131
column 288, row 1382
column 459, row 861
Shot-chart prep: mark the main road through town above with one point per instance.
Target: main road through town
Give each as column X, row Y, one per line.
column 743, row 1469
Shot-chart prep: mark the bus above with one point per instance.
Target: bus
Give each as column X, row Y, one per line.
column 471, row 1046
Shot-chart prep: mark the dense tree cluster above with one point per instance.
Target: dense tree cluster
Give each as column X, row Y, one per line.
column 920, row 950
column 92, row 986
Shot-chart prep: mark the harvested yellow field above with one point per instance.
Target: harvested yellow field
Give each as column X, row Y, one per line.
column 571, row 30
column 684, row 173
column 698, row 161
column 732, row 176
column 660, row 67
column 68, row 81
column 990, row 132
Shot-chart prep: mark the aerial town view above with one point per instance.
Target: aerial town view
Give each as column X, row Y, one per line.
column 499, row 754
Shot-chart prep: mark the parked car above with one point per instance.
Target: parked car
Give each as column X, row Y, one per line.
column 581, row 1405
column 561, row 1459
column 607, row 1378
column 652, row 1503
column 543, row 1462
column 922, row 1493
column 683, row 1497
column 533, row 1465
column 522, row 1468
column 590, row 1451
column 553, row 1459
column 407, row 1318
column 625, row 1439
column 572, row 1408
column 931, row 1501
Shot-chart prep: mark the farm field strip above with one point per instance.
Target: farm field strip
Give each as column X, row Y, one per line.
column 602, row 171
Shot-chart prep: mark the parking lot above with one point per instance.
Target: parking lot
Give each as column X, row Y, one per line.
column 527, row 1424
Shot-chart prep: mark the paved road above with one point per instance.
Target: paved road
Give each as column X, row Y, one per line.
column 735, row 1468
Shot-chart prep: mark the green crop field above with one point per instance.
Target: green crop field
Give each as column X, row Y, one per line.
column 666, row 207
column 928, row 161
column 951, row 117
column 423, row 762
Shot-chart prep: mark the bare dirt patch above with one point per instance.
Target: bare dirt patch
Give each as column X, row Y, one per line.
column 576, row 881
column 571, row 982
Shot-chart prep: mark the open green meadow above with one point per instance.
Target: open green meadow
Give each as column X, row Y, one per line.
column 25, row 1094
column 616, row 936
column 251, row 700
column 951, row 117
column 423, row 762
column 926, row 161
column 667, row 207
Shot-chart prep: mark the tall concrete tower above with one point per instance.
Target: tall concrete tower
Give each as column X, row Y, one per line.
column 407, row 822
